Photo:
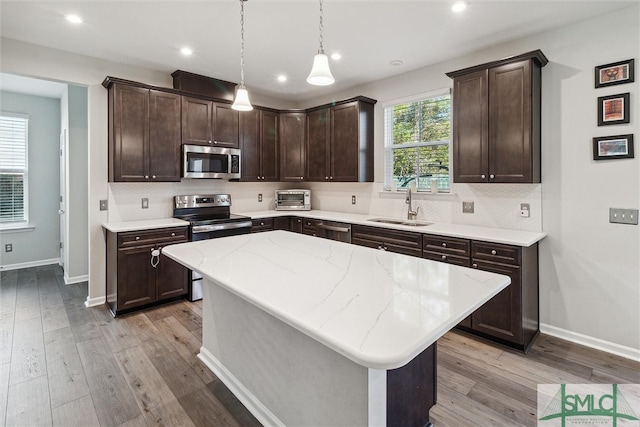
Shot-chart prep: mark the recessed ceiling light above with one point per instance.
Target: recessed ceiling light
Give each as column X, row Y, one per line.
column 282, row 78
column 186, row 51
column 336, row 56
column 74, row 19
column 459, row 6
column 396, row 62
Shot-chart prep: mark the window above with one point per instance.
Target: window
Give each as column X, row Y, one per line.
column 417, row 133
column 13, row 169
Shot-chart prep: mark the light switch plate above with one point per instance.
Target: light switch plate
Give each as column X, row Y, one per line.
column 467, row 207
column 260, row 197
column 353, row 200
column 104, row 205
column 145, row 203
column 623, row 216
column 8, row 247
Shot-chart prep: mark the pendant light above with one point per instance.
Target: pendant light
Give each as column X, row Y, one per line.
column 242, row 103
column 320, row 73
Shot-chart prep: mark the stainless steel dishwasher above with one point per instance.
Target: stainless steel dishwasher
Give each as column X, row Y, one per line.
column 333, row 230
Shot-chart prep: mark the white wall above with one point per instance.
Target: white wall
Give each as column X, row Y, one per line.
column 40, row 246
column 589, row 268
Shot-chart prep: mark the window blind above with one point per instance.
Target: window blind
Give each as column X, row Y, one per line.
column 13, row 167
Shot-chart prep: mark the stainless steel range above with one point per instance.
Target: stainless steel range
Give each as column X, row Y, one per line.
column 209, row 217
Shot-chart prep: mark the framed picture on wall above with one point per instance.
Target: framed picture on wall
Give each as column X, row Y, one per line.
column 613, row 147
column 613, row 109
column 616, row 73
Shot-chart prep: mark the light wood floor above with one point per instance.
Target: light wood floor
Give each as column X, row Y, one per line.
column 66, row 365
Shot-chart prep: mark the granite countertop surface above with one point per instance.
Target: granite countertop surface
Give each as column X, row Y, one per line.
column 487, row 234
column 377, row 308
column 147, row 224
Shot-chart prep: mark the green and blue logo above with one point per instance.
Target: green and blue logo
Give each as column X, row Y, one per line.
column 588, row 404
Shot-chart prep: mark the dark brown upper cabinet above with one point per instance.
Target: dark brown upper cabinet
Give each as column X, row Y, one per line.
column 144, row 134
column 259, row 144
column 205, row 122
column 339, row 142
column 292, row 152
column 496, row 120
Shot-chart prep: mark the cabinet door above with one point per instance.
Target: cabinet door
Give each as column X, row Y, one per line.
column 136, row 277
column 292, row 127
column 225, row 125
column 250, row 145
column 171, row 278
column 345, row 150
column 269, row 146
column 510, row 150
column 318, row 145
column 470, row 128
column 282, row 223
column 259, row 225
column 130, row 140
column 164, row 130
column 296, row 225
column 501, row 316
column 197, row 118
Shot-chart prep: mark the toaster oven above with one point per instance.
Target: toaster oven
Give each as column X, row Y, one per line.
column 293, row 200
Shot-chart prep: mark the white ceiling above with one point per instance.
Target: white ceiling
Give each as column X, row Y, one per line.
column 281, row 37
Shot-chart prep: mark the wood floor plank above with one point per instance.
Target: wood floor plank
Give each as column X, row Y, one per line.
column 28, row 403
column 27, row 296
column 178, row 374
column 114, row 402
column 81, row 320
column 4, row 391
column 77, row 413
column 6, row 336
column 466, row 344
column 152, row 341
column 232, row 404
column 54, row 315
column 76, row 290
column 205, row 410
column 155, row 399
column 27, row 353
column 67, row 380
column 442, row 416
column 8, row 287
column 186, row 345
column 135, row 422
column 509, row 406
column 183, row 314
column 115, row 331
column 454, row 380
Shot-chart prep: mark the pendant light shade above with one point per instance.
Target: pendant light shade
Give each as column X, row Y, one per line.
column 320, row 73
column 242, row 103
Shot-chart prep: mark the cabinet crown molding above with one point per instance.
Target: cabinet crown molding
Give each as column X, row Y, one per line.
column 535, row 55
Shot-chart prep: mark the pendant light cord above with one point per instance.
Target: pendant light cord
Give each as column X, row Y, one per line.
column 242, row 43
column 321, row 29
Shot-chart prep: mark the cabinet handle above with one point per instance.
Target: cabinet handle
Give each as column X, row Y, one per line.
column 261, row 223
column 137, row 237
column 483, row 176
column 382, row 247
column 474, row 265
column 444, row 245
column 146, row 177
column 215, row 142
column 154, row 177
column 326, row 178
column 301, row 178
column 493, row 252
column 299, row 221
column 492, row 176
column 155, row 257
column 330, row 178
column 173, row 234
column 444, row 257
column 209, row 141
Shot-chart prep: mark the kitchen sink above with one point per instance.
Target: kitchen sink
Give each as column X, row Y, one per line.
column 410, row 222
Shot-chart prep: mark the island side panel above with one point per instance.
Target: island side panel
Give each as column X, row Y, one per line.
column 300, row 381
column 411, row 390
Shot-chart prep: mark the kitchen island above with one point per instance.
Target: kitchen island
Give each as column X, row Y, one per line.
column 308, row 331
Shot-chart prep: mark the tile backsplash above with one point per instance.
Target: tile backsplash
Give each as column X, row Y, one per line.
column 495, row 205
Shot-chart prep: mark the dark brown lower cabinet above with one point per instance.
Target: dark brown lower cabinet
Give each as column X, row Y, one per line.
column 138, row 277
column 385, row 239
column 309, row 227
column 259, row 225
column 296, row 225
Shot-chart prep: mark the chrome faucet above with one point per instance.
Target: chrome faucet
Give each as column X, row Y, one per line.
column 411, row 214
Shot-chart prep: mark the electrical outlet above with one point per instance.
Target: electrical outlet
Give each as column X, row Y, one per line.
column 145, row 203
column 525, row 210
column 353, row 200
column 467, row 207
column 623, row 216
column 260, row 197
column 8, row 247
column 104, row 205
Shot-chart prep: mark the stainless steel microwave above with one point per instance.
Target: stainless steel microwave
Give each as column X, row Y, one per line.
column 210, row 162
column 293, row 200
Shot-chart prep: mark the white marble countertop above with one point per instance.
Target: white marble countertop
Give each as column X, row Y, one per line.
column 486, row 234
column 147, row 224
column 377, row 308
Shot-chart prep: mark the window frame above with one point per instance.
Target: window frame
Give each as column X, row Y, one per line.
column 24, row 222
column 390, row 147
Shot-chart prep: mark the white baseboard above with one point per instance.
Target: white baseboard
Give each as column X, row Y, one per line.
column 248, row 399
column 596, row 343
column 29, row 264
column 93, row 302
column 77, row 279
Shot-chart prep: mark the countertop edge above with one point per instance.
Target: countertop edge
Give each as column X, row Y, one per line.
column 145, row 224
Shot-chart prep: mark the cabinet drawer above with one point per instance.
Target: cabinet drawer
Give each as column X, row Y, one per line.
column 449, row 259
column 261, row 224
column 495, row 252
column 159, row 236
column 404, row 242
column 309, row 227
column 447, row 245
